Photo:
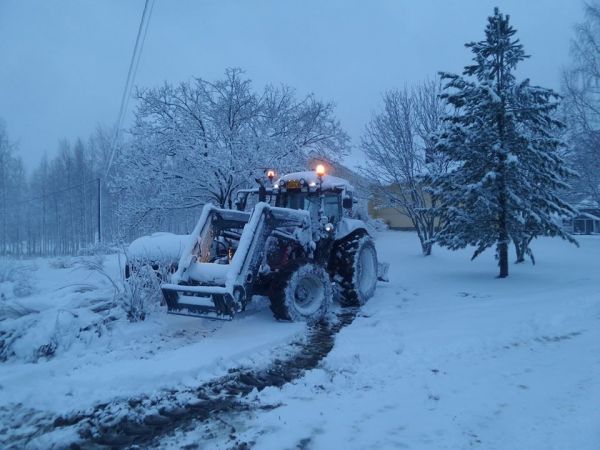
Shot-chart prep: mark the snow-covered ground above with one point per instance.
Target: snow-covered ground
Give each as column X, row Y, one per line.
column 444, row 356
column 95, row 361
column 447, row 356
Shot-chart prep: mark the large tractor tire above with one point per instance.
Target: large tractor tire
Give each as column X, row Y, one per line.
column 301, row 293
column 355, row 269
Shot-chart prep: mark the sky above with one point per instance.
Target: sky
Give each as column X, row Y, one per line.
column 63, row 63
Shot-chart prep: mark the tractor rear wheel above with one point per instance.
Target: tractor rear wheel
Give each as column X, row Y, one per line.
column 301, row 293
column 355, row 269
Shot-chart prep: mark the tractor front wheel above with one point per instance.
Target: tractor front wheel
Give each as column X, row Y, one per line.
column 301, row 293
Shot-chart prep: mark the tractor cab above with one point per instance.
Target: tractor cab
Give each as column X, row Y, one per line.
column 315, row 192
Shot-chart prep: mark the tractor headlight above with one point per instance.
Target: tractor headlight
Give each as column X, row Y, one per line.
column 329, row 227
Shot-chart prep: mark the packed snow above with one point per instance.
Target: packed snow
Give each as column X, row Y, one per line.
column 444, row 356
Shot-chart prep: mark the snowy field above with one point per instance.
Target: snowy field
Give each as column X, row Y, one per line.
column 444, row 356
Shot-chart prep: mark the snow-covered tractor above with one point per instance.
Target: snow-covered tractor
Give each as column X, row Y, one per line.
column 297, row 246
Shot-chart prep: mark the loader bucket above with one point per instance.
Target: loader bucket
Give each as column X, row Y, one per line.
column 209, row 302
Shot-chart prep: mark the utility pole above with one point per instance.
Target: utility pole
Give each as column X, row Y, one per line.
column 99, row 215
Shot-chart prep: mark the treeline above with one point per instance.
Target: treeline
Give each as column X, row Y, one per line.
column 55, row 209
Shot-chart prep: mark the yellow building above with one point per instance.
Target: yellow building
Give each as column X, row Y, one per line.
column 394, row 217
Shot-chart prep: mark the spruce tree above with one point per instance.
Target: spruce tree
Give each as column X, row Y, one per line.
column 503, row 146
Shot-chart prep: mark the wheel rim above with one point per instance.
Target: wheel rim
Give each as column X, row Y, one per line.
column 308, row 295
column 367, row 271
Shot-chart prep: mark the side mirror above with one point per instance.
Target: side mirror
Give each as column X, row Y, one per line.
column 347, row 203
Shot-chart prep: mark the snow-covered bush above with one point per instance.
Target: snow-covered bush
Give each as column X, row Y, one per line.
column 43, row 334
column 137, row 287
column 94, row 263
column 100, row 248
column 9, row 269
column 141, row 293
column 10, row 308
column 62, row 262
column 15, row 278
column 78, row 317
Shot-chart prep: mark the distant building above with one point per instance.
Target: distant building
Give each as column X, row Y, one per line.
column 394, row 216
column 586, row 222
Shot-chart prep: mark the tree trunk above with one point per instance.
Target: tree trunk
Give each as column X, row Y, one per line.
column 520, row 251
column 503, row 256
column 424, row 236
column 426, row 247
column 503, row 201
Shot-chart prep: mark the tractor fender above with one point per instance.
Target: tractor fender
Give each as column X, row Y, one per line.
column 348, row 226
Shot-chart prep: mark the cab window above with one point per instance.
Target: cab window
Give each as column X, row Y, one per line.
column 332, row 208
column 302, row 200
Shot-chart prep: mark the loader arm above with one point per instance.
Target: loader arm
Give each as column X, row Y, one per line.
column 209, row 289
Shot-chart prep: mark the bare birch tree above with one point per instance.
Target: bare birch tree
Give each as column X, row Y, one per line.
column 399, row 144
column 201, row 140
column 581, row 89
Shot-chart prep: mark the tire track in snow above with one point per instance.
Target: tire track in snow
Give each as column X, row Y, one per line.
column 142, row 421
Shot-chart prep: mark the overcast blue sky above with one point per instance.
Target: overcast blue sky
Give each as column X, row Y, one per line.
column 63, row 63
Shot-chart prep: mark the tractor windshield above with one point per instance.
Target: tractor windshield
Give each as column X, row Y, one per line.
column 301, row 200
column 311, row 202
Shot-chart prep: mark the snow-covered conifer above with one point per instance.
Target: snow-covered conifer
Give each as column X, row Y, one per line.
column 502, row 140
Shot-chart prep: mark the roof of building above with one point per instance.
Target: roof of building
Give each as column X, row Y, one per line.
column 587, row 216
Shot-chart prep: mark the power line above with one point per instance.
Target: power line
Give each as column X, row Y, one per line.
column 133, row 66
column 139, row 56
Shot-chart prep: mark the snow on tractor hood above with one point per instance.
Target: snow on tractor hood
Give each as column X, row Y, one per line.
column 158, row 246
column 329, row 181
